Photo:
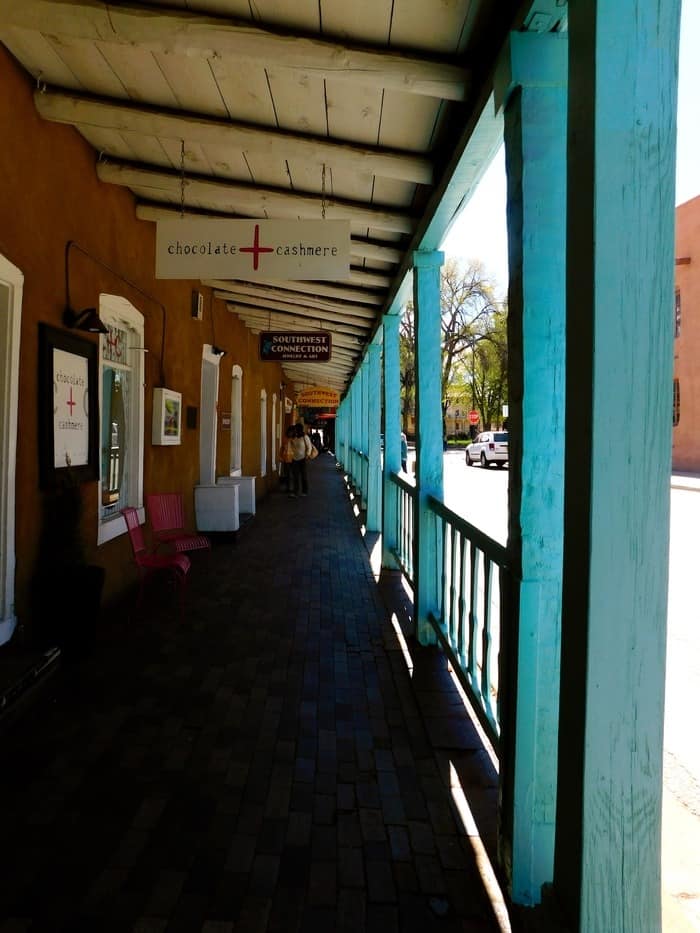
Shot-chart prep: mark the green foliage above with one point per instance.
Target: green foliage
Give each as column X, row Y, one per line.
column 474, row 345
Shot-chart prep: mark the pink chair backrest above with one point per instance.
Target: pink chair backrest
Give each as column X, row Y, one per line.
column 131, row 517
column 166, row 511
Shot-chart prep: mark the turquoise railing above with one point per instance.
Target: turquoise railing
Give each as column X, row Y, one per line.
column 469, row 617
column 405, row 494
column 359, row 472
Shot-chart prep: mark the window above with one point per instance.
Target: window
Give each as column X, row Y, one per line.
column 676, row 402
column 11, row 289
column 121, row 414
column 235, row 468
column 275, row 442
column 677, row 328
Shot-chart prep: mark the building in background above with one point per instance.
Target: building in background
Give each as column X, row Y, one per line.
column 686, row 348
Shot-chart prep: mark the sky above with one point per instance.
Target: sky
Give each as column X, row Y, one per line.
column 480, row 232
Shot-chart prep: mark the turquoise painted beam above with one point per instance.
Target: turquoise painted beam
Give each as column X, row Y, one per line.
column 429, row 441
column 374, row 429
column 531, row 88
column 392, row 435
column 620, row 272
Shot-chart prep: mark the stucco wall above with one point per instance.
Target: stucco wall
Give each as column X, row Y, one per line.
column 686, row 435
column 49, row 195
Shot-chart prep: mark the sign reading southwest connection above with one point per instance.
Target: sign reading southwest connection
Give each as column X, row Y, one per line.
column 193, row 248
column 318, row 397
column 285, row 347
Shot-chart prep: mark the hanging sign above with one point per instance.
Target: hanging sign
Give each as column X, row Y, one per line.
column 194, row 248
column 294, row 346
column 318, row 397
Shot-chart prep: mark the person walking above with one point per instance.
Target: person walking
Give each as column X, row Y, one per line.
column 299, row 449
column 404, row 453
column 285, row 457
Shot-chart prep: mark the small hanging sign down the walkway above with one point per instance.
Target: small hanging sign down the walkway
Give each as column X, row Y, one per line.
column 193, row 248
column 318, row 397
column 314, row 347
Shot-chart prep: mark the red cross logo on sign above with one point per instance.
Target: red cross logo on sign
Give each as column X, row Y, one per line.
column 256, row 249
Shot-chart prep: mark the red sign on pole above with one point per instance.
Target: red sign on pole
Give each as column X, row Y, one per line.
column 473, row 417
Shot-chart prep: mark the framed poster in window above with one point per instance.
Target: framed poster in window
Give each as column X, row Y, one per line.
column 67, row 406
column 167, row 417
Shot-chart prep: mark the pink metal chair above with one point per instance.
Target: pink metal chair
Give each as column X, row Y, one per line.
column 148, row 563
column 166, row 514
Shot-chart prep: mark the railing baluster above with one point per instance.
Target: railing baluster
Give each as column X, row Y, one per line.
column 473, row 613
column 486, row 642
column 462, row 598
column 454, row 534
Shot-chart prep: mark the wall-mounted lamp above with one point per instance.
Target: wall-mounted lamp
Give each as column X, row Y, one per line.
column 218, row 351
column 88, row 319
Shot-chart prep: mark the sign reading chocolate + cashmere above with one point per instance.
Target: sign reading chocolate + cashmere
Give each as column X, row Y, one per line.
column 299, row 347
column 189, row 248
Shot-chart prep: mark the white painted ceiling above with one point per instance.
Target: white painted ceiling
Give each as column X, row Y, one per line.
column 362, row 110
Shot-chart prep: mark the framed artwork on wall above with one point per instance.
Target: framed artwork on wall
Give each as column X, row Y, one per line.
column 167, row 417
column 68, row 424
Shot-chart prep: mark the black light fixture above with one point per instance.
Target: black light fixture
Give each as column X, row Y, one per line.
column 218, row 351
column 88, row 319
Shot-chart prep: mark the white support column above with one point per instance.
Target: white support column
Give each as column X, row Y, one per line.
column 429, row 452
column 620, row 274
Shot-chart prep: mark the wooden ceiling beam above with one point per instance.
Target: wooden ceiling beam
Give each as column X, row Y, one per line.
column 334, row 299
column 249, row 200
column 361, row 249
column 81, row 111
column 177, row 32
column 294, row 318
column 296, row 305
column 282, row 321
column 313, row 371
column 328, row 291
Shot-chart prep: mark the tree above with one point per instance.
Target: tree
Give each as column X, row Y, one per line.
column 468, row 310
column 407, row 366
column 489, row 370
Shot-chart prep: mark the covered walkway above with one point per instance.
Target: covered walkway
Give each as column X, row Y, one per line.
column 269, row 763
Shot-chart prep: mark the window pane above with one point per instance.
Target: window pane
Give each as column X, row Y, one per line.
column 114, row 438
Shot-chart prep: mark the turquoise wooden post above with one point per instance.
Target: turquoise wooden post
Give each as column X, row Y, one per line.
column 392, row 436
column 531, row 84
column 426, row 303
column 620, row 267
column 374, row 429
column 356, row 389
column 364, row 410
column 339, row 433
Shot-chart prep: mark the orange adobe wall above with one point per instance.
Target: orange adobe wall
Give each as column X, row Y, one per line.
column 686, row 348
column 49, row 195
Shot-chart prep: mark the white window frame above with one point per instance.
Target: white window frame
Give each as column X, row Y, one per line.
column 274, row 447
column 119, row 312
column 236, row 455
column 11, row 277
column 209, row 407
column 263, row 432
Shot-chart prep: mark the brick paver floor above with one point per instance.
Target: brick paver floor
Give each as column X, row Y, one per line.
column 261, row 765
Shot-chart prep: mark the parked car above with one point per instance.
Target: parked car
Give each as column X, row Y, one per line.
column 489, row 447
